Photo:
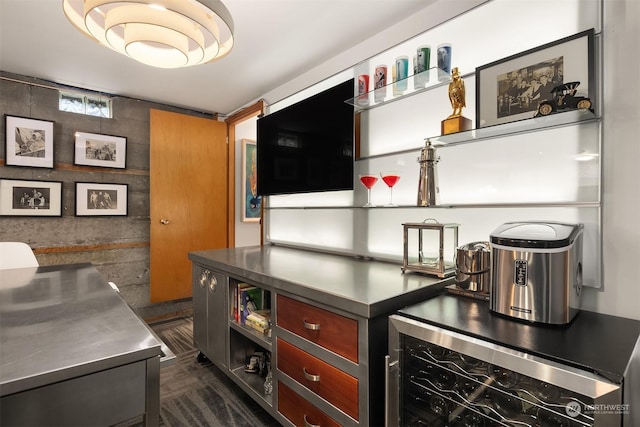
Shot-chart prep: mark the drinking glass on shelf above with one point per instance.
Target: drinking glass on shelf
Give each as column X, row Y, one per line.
column 390, row 178
column 368, row 181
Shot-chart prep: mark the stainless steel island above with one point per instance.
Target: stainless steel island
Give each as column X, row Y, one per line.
column 328, row 336
column 72, row 352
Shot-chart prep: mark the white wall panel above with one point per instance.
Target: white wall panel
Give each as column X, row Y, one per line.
column 378, row 232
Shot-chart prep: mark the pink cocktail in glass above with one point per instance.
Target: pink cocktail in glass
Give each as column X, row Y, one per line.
column 368, row 181
column 390, row 178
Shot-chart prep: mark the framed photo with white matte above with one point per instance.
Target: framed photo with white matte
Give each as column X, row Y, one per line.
column 107, row 151
column 30, row 198
column 28, row 142
column 97, row 199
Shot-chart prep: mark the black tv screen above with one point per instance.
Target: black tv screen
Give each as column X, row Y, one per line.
column 308, row 146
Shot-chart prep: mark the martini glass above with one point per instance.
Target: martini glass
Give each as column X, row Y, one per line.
column 390, row 178
column 368, row 181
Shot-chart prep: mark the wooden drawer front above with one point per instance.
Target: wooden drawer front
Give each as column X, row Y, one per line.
column 325, row 380
column 300, row 411
column 329, row 330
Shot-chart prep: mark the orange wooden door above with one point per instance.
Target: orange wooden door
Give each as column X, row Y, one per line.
column 189, row 197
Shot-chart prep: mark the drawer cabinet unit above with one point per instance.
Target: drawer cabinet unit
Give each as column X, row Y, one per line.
column 329, row 330
column 328, row 382
column 328, row 338
column 300, row 411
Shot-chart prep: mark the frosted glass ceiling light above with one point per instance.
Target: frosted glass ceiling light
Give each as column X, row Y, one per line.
column 160, row 33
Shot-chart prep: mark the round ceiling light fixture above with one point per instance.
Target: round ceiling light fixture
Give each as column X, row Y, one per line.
column 160, row 33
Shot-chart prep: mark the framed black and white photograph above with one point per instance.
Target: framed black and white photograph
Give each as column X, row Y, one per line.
column 105, row 151
column 30, row 198
column 512, row 88
column 28, row 142
column 96, row 199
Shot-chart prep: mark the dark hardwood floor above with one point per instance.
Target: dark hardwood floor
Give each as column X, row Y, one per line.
column 196, row 394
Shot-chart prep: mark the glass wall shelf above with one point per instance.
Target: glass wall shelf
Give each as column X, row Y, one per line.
column 535, row 124
column 566, row 118
column 451, row 206
column 416, row 83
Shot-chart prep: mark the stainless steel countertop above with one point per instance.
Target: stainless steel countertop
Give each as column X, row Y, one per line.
column 60, row 322
column 362, row 287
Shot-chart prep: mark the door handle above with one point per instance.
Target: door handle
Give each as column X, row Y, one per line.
column 164, row 221
column 391, row 404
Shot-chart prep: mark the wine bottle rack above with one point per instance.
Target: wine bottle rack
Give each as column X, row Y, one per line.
column 442, row 387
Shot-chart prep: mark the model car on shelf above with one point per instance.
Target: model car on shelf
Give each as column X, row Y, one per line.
column 564, row 98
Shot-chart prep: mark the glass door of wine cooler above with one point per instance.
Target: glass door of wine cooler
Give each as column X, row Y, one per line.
column 439, row 378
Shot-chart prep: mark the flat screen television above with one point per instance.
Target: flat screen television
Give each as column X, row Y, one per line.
column 308, row 146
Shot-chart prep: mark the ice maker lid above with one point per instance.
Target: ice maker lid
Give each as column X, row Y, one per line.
column 536, row 234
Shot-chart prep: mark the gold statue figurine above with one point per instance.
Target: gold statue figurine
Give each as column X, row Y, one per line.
column 456, row 122
column 456, row 93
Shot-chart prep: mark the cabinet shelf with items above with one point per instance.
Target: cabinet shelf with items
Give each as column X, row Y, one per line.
column 414, row 84
column 250, row 364
column 250, row 346
column 250, row 312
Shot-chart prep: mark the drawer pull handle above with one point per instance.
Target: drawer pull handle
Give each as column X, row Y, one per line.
column 308, row 424
column 312, row 326
column 311, row 377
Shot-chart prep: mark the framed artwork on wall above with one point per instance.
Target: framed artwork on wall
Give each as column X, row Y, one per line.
column 30, row 198
column 512, row 88
column 28, row 142
column 105, row 151
column 97, row 199
column 251, row 201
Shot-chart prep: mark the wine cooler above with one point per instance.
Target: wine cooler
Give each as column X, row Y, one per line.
column 437, row 378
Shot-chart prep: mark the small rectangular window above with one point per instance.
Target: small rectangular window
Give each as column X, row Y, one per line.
column 97, row 106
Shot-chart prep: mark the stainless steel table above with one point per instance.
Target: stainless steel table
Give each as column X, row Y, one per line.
column 72, row 352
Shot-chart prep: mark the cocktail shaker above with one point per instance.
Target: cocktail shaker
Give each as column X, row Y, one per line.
column 428, row 184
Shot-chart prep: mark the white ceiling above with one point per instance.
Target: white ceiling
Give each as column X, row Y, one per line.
column 275, row 41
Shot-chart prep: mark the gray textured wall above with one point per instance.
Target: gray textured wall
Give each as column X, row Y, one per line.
column 117, row 246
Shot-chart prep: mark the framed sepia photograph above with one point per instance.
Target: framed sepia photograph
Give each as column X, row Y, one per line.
column 96, row 199
column 251, row 201
column 512, row 88
column 105, row 151
column 30, row 198
column 28, row 142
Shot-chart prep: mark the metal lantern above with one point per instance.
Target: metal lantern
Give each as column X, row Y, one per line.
column 430, row 247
